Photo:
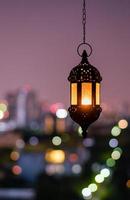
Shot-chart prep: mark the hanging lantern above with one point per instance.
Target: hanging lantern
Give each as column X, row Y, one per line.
column 84, row 88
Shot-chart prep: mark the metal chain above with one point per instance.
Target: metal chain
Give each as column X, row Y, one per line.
column 84, row 32
column 84, row 20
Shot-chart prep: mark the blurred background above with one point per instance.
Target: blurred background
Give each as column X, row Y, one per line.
column 42, row 153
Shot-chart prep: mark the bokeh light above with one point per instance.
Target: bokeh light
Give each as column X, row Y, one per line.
column 6, row 114
column 55, row 107
column 20, row 143
column 1, row 114
column 33, row 141
column 16, row 169
column 86, row 192
column 93, row 187
column 56, row 140
column 14, row 155
column 115, row 131
column 110, row 162
column 105, row 172
column 113, row 143
column 52, row 169
column 88, row 142
column 55, row 156
column 3, row 107
column 123, row 124
column 76, row 169
column 116, row 155
column 128, row 184
column 73, row 157
column 61, row 113
column 99, row 178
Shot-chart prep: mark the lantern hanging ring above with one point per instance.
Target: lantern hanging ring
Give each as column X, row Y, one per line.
column 87, row 45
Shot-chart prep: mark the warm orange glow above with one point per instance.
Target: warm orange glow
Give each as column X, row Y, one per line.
column 60, row 125
column 97, row 93
column 48, row 124
column 123, row 124
column 86, row 94
column 128, row 184
column 14, row 155
column 55, row 156
column 74, row 94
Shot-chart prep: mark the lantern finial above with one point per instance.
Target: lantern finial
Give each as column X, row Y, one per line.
column 84, row 57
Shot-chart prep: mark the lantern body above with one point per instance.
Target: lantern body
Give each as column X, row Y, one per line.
column 84, row 93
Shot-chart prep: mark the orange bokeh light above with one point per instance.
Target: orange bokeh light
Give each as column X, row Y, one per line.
column 128, row 184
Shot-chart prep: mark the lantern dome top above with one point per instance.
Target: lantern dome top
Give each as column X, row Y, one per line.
column 84, row 72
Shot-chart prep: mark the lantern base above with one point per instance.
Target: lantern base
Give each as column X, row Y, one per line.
column 84, row 116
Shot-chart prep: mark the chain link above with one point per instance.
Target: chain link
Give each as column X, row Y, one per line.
column 84, row 20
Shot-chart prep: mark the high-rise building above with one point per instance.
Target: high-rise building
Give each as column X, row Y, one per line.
column 24, row 108
column 27, row 108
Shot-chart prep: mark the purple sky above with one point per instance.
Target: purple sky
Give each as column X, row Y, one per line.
column 38, row 41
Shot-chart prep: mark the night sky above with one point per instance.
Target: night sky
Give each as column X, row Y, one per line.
column 38, row 41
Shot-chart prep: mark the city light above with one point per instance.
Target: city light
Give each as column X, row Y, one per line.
column 115, row 131
column 61, row 113
column 93, row 187
column 113, row 143
column 110, row 162
column 88, row 142
column 55, row 169
column 128, row 184
column 33, row 141
column 56, row 140
column 76, row 169
column 73, row 157
column 123, row 124
column 116, row 155
column 55, row 156
column 16, row 169
column 20, row 143
column 55, row 107
column 105, row 172
column 48, row 124
column 3, row 107
column 99, row 178
column 1, row 114
column 86, row 192
column 6, row 114
column 14, row 155
column 3, row 110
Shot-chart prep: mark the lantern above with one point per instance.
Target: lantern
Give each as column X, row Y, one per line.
column 84, row 93
column 84, row 86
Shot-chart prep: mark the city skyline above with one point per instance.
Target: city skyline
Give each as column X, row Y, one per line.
column 39, row 41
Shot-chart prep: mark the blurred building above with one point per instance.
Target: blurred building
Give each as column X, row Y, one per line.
column 24, row 108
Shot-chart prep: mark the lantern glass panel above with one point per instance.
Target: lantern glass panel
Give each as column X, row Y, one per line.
column 73, row 93
column 97, row 93
column 86, row 97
